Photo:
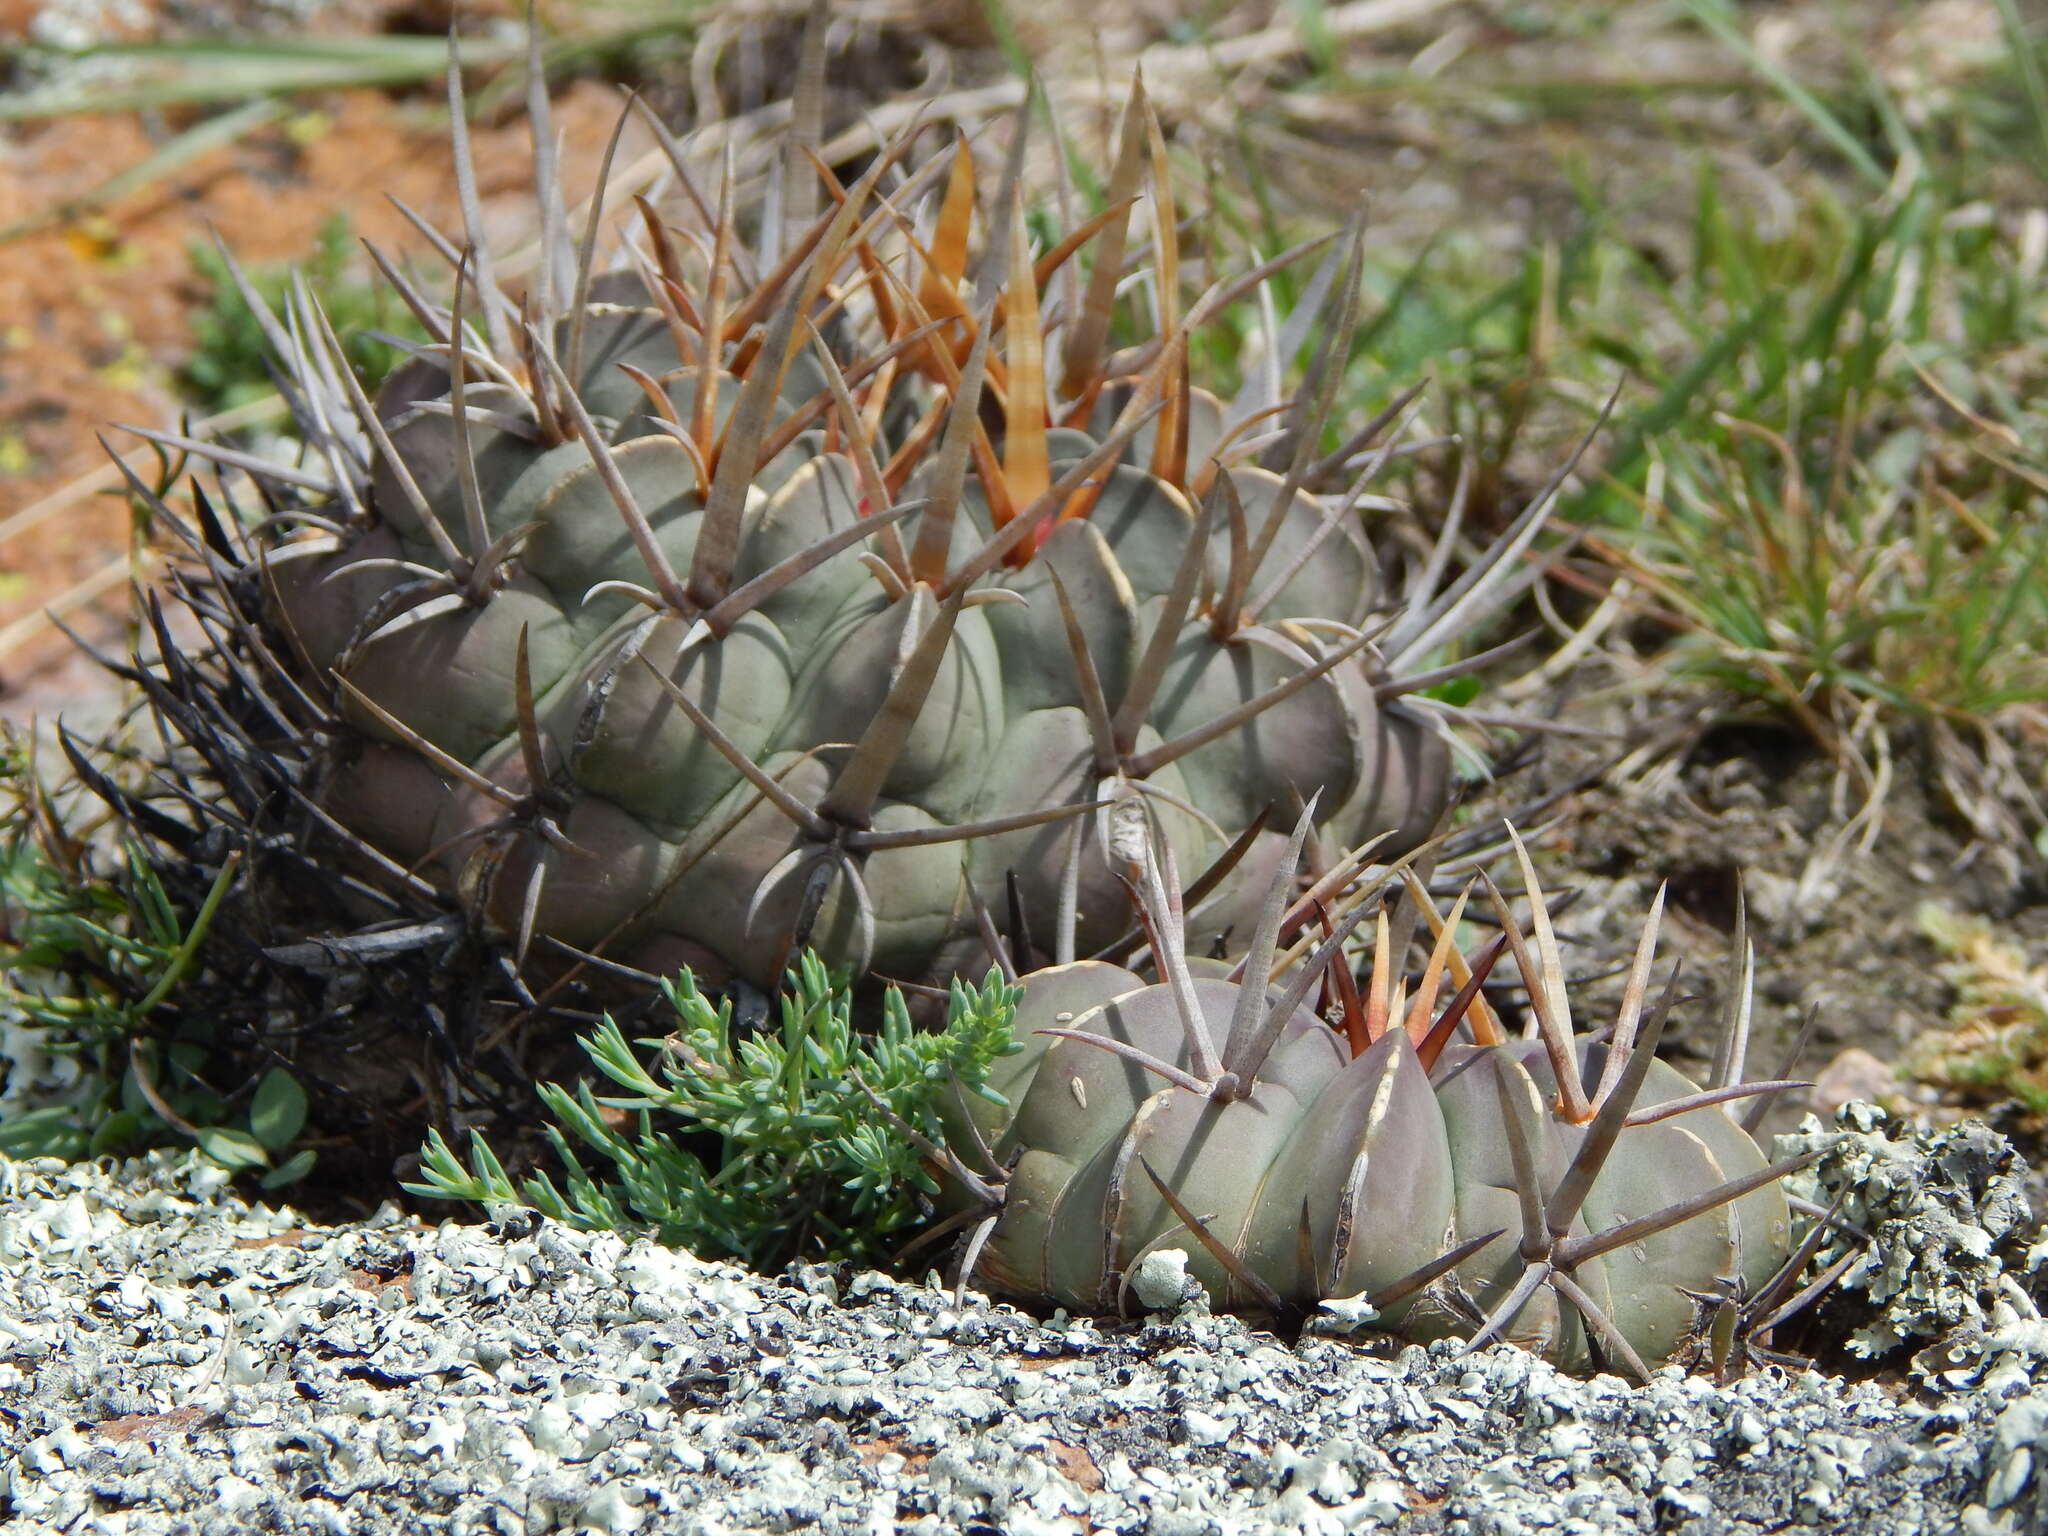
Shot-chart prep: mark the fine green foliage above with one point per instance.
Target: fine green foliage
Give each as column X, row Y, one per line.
column 1823, row 587
column 120, row 935
column 95, row 1058
column 1858, row 522
column 155, row 75
column 227, row 367
column 761, row 1147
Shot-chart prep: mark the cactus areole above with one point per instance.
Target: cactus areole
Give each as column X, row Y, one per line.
column 739, row 580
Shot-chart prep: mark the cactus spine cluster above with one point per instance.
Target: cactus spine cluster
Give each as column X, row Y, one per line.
column 824, row 586
column 1569, row 1193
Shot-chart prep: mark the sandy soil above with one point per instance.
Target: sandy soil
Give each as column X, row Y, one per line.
column 96, row 308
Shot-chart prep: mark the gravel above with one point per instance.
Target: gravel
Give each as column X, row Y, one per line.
column 173, row 1359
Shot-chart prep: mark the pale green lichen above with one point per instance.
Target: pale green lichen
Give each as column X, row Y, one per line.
column 1945, row 1211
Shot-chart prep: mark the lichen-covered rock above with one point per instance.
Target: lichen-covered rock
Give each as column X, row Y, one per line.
column 1946, row 1213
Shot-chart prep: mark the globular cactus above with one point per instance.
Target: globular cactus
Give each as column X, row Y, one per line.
column 1567, row 1192
column 820, row 584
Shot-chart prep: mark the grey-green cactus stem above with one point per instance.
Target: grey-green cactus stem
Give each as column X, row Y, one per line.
column 738, row 586
column 1567, row 1193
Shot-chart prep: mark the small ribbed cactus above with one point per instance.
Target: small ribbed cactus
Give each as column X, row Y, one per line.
column 1566, row 1192
column 782, row 579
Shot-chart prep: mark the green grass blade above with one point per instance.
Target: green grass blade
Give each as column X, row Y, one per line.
column 1716, row 17
column 2027, row 62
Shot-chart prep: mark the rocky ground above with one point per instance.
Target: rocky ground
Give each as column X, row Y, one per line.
column 175, row 1360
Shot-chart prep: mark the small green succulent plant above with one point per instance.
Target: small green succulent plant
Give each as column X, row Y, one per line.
column 98, row 1054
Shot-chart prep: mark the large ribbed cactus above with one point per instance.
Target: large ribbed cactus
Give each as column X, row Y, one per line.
column 821, row 579
column 1569, row 1193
